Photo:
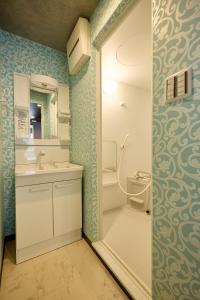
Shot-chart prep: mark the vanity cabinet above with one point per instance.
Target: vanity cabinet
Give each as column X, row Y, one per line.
column 67, row 206
column 48, row 214
column 33, row 214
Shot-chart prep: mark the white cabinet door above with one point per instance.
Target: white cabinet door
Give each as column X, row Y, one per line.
column 67, row 205
column 34, row 214
column 22, row 102
column 21, row 90
column 63, row 99
column 63, row 111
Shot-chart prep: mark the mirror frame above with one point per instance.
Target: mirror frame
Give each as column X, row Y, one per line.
column 17, row 95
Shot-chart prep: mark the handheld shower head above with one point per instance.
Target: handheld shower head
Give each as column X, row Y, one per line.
column 124, row 141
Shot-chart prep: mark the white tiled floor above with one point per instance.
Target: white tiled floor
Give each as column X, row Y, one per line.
column 69, row 273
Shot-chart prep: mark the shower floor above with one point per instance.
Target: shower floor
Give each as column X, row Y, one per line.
column 127, row 237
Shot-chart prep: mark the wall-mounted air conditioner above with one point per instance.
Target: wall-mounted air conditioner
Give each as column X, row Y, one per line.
column 78, row 46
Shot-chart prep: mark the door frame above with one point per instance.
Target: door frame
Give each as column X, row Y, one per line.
column 98, row 52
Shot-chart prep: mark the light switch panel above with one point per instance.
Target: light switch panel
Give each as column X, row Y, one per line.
column 170, row 88
column 179, row 85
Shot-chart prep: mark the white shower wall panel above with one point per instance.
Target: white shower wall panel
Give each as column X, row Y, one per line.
column 129, row 111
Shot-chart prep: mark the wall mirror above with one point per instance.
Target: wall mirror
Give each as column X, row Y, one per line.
column 41, row 110
column 43, row 113
column 43, row 107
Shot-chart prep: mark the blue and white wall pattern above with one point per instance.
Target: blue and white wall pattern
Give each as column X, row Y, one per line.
column 176, row 137
column 176, row 159
column 24, row 56
column 2, row 108
column 83, row 108
column 176, row 141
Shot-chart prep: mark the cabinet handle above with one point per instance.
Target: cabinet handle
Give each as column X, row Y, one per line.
column 62, row 186
column 38, row 189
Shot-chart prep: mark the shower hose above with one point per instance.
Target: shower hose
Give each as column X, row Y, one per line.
column 119, row 171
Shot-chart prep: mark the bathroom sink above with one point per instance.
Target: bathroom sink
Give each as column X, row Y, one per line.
column 45, row 173
column 47, row 168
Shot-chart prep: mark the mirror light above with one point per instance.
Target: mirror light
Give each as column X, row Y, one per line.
column 110, row 87
column 44, row 81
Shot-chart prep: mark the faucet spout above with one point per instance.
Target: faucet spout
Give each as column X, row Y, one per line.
column 39, row 158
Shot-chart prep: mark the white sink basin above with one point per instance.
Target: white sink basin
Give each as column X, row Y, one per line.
column 31, row 174
column 33, row 169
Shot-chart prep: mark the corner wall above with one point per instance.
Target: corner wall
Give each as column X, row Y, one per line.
column 176, row 159
column 83, row 108
column 1, row 188
column 176, row 144
column 20, row 55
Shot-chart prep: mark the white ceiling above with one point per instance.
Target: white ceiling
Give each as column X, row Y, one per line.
column 127, row 54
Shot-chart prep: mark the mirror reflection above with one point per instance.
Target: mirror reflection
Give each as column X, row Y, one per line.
column 43, row 113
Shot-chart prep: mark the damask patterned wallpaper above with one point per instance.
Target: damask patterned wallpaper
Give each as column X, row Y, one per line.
column 176, row 141
column 176, row 148
column 24, row 56
column 83, row 108
column 176, row 144
column 1, row 188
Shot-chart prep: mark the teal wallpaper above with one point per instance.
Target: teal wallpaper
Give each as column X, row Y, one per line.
column 176, row 143
column 24, row 56
column 2, row 111
column 176, row 135
column 83, row 108
column 176, row 159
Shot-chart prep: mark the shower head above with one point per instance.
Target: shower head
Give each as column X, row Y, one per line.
column 124, row 141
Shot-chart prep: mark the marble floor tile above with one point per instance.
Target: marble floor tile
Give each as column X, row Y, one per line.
column 95, row 278
column 72, row 272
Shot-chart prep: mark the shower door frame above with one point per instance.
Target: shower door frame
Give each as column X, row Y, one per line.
column 99, row 116
column 99, row 144
column 99, row 237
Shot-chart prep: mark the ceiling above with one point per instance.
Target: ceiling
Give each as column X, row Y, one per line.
column 127, row 54
column 49, row 22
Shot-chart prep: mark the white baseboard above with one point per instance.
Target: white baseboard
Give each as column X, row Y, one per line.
column 47, row 246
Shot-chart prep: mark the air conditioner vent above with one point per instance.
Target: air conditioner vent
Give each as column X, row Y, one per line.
column 78, row 46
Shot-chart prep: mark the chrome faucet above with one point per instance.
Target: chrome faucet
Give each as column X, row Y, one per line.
column 142, row 175
column 39, row 158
